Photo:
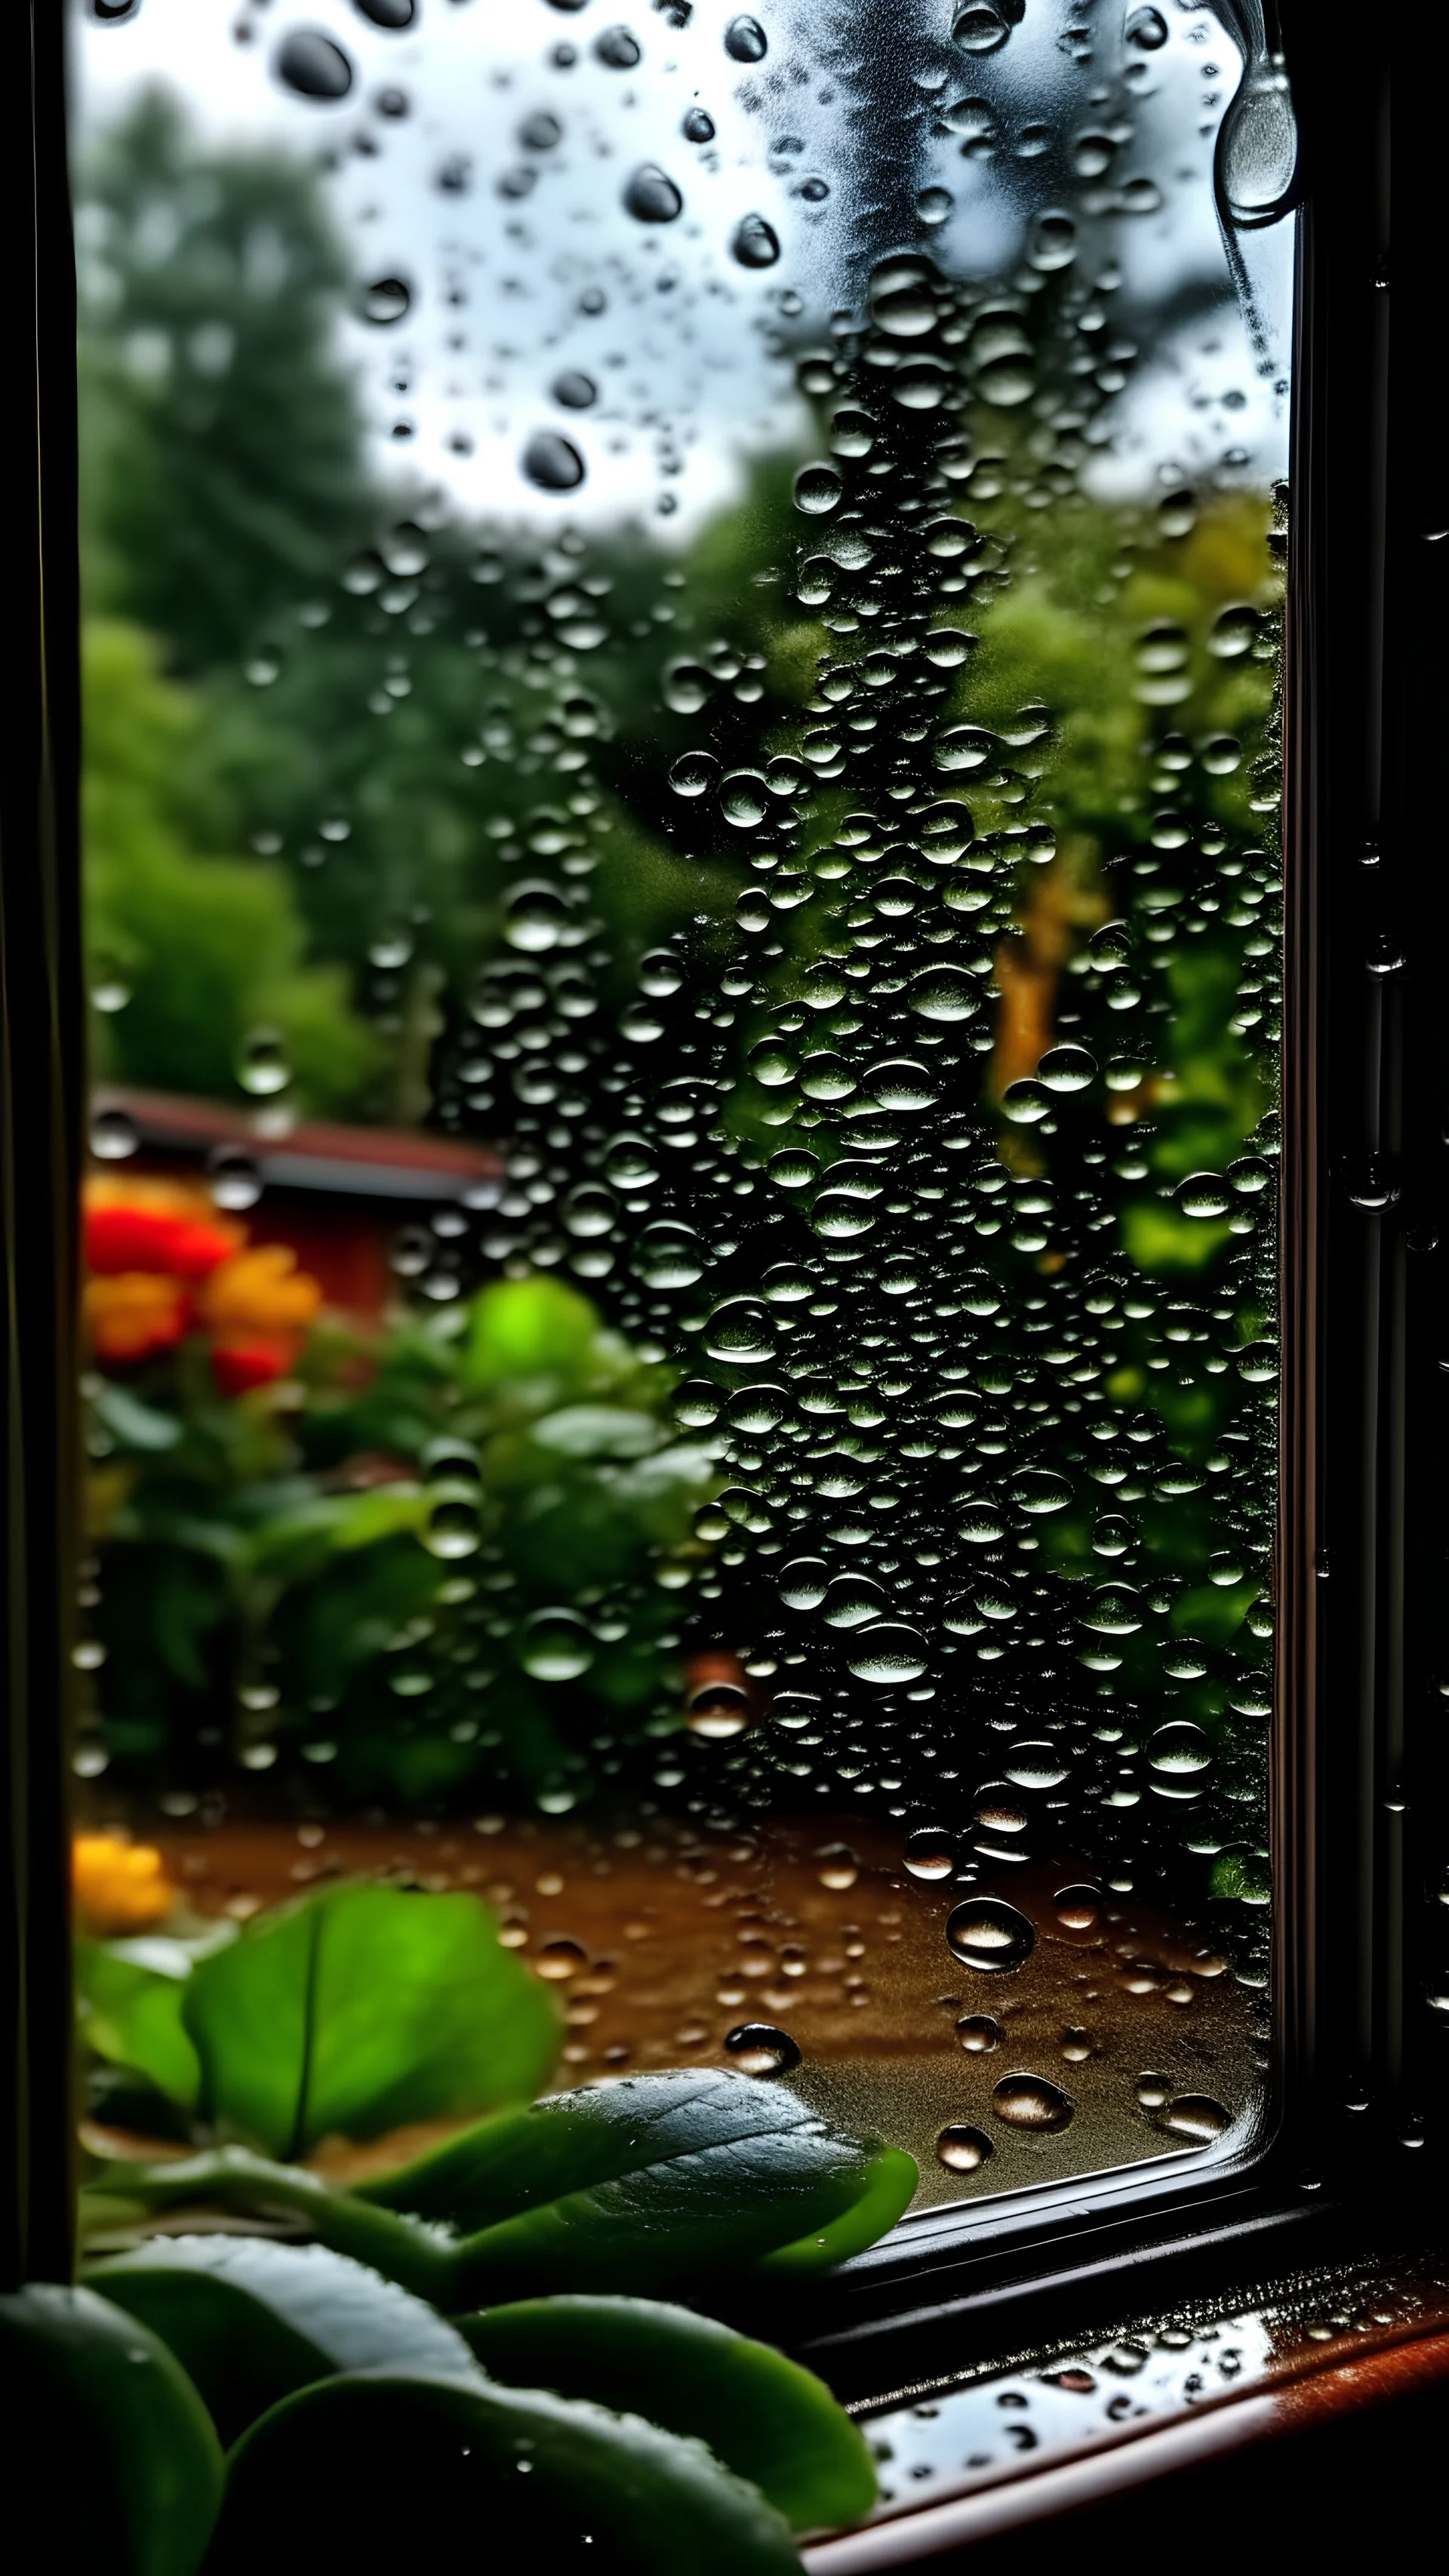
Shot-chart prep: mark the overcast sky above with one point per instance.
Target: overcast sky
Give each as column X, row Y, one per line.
column 518, row 283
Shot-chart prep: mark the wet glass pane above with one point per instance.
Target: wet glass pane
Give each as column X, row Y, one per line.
column 683, row 906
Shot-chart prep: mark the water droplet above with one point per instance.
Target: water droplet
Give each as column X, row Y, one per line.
column 309, row 63
column 887, row 1653
column 1203, row 1194
column 574, row 389
column 803, row 1582
column 630, row 1162
column 1256, row 163
column 452, row 1529
column 1234, row 632
column 694, row 773
column 943, row 993
column 901, row 1083
column 1076, row 2046
column 817, row 489
column 651, row 196
column 759, row 2048
column 114, row 1135
column 1078, row 1908
column 1067, row 1068
column 1179, row 1749
column 1031, row 2102
column 745, row 40
column 739, row 1331
column 233, row 1178
column 933, row 205
column 618, row 47
column 698, row 126
column 589, row 1211
column 1038, row 1491
column 754, row 243
column 930, row 1852
column 1053, row 242
column 386, row 300
column 985, row 1932
column 1196, row 2115
column 1146, row 29
column 669, row 1254
column 980, row 29
column 262, row 1067
column 534, row 918
column 839, row 1868
column 963, row 2150
column 555, row 1646
column 744, row 799
column 978, row 2034
column 1035, row 1766
column 552, row 462
column 717, row 1711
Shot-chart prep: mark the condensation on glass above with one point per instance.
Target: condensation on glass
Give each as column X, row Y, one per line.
column 683, row 909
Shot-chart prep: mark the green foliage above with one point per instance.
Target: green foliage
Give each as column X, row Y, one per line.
column 112, row 2461
column 764, row 2416
column 222, row 431
column 347, row 2472
column 344, row 2392
column 352, row 2012
column 521, row 1438
column 569, row 2195
column 208, row 948
column 251, row 2321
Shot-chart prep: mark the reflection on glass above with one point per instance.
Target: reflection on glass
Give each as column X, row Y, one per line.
column 681, row 806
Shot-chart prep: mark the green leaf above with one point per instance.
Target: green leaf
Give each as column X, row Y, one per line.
column 112, row 2461
column 234, row 2182
column 597, row 1431
column 632, row 2185
column 374, row 2472
column 141, row 1428
column 890, row 2184
column 130, row 1995
column 361, row 2009
column 251, row 2321
column 764, row 2416
column 529, row 1328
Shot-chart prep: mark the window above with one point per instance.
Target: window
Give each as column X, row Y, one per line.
column 683, row 926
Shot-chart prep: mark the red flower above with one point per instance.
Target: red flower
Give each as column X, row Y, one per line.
column 238, row 1370
column 122, row 1238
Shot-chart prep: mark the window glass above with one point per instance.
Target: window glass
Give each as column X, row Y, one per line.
column 683, row 914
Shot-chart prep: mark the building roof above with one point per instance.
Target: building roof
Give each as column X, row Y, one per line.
column 315, row 1156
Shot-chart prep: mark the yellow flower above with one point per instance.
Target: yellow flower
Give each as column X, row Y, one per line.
column 119, row 1886
column 134, row 1314
column 259, row 1294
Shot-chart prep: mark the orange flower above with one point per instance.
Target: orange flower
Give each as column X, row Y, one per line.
column 119, row 1886
column 258, row 1306
column 131, row 1316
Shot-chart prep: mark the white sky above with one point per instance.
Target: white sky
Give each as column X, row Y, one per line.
column 679, row 350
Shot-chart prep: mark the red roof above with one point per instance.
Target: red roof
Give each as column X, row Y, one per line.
column 315, row 1155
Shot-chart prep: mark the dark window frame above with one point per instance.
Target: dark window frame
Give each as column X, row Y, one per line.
column 1358, row 1762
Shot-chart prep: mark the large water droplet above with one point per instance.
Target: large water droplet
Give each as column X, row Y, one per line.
column 978, row 2034
column 552, row 462
column 386, row 300
column 555, row 1646
column 943, row 993
column 803, row 1582
column 651, row 195
column 309, row 63
column 759, row 2048
column 755, row 243
column 739, row 1331
column 1031, row 2102
column 745, row 40
column 817, row 489
column 985, row 1932
column 534, row 918
column 1146, row 29
column 887, row 1653
column 1198, row 2116
column 930, row 1852
column 980, row 29
column 962, row 2150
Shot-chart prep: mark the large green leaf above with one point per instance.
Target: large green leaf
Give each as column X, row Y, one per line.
column 392, row 2471
column 251, row 2321
column 764, row 2416
column 112, row 2463
column 359, row 2010
column 130, row 1995
column 632, row 2185
column 890, row 2183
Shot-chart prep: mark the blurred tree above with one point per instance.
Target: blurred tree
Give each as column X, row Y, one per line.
column 223, row 456
column 190, row 953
